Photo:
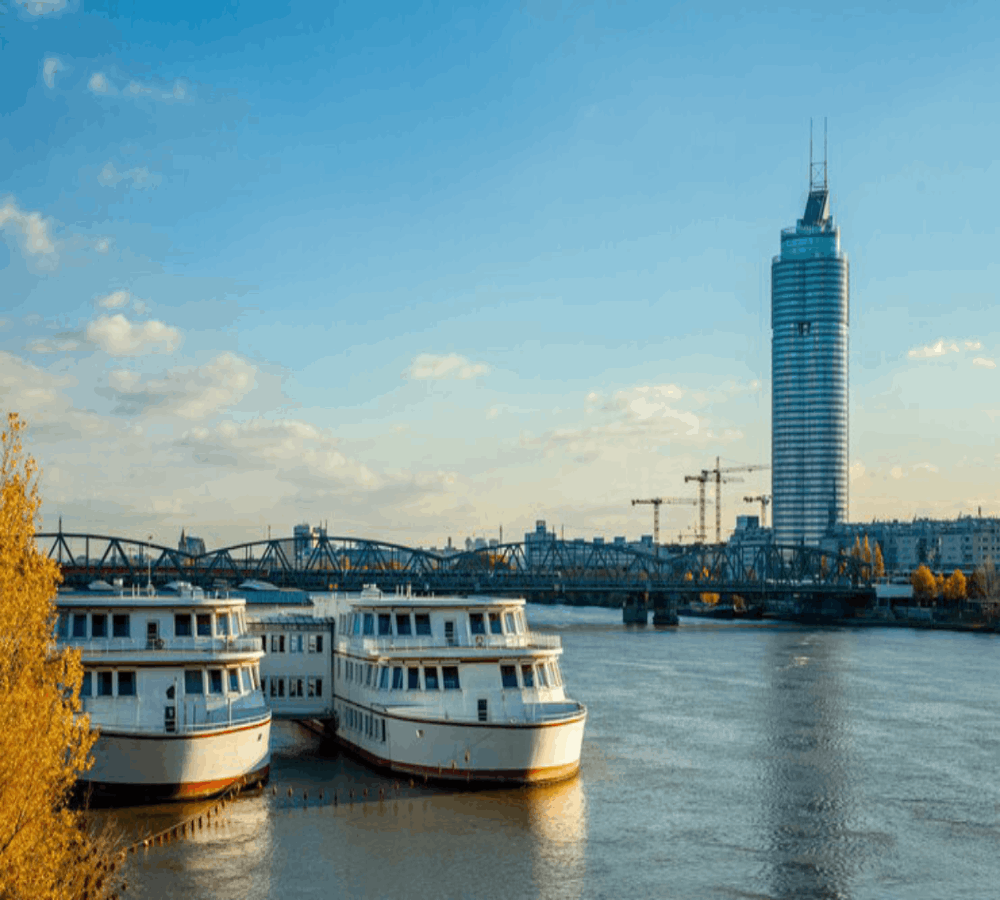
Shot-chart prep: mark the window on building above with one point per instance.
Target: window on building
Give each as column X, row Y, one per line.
column 203, row 622
column 79, row 625
column 86, row 688
column 397, row 678
column 222, row 624
column 182, row 625
column 105, row 686
column 98, row 625
column 126, row 684
column 528, row 676
column 508, row 676
column 369, row 628
column 495, row 626
column 384, row 624
column 403, row 624
column 193, row 682
column 431, row 678
column 383, row 678
column 234, row 681
column 413, row 678
column 476, row 623
column 423, row 622
column 449, row 675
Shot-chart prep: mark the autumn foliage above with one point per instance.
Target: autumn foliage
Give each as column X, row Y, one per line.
column 44, row 741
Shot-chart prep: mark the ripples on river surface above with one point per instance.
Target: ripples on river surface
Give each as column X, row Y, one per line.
column 721, row 759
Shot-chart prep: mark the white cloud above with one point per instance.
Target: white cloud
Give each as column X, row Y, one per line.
column 942, row 347
column 51, row 65
column 428, row 366
column 653, row 404
column 102, row 245
column 99, row 84
column 42, row 7
column 857, row 471
column 115, row 300
column 141, row 177
column 984, row 363
column 57, row 345
column 176, row 91
column 34, row 234
column 117, row 336
column 190, row 393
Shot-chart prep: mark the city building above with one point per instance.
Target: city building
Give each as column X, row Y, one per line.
column 191, row 544
column 809, row 412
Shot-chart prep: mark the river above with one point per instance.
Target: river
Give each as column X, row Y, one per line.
column 721, row 759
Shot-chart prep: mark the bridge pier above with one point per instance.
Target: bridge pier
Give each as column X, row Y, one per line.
column 635, row 609
column 665, row 609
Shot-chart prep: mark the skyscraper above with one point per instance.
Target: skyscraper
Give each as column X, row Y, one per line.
column 809, row 412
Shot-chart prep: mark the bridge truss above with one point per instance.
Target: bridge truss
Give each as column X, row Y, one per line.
column 537, row 570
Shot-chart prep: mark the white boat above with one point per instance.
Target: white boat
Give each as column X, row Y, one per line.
column 172, row 685
column 453, row 688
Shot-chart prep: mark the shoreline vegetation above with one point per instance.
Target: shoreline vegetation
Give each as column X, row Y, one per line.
column 47, row 849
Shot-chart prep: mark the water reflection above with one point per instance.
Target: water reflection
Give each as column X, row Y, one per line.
column 809, row 805
column 330, row 825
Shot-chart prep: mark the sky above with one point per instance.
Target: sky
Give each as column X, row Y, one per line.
column 421, row 271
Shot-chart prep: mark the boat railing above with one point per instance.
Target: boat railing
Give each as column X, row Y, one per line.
column 111, row 646
column 130, row 716
column 525, row 641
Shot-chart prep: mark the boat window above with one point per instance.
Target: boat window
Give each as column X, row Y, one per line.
column 79, row 625
column 413, row 678
column 476, row 623
column 263, row 642
column 247, row 680
column 403, row 624
column 349, row 666
column 193, row 682
column 397, row 678
column 369, row 625
column 508, row 676
column 528, row 676
column 495, row 626
column 449, row 675
column 383, row 731
column 256, row 677
column 556, row 673
column 104, row 686
column 85, row 688
column 319, row 643
column 62, row 625
column 357, row 624
column 296, row 688
column 203, row 622
column 182, row 625
column 423, row 622
column 99, row 625
column 121, row 625
column 368, row 675
column 431, row 678
column 542, row 680
column 383, row 679
column 508, row 620
column 222, row 624
column 483, row 710
column 384, row 624
column 295, row 643
column 519, row 622
column 234, row 681
column 449, row 633
column 315, row 687
column 126, row 684
column 338, row 667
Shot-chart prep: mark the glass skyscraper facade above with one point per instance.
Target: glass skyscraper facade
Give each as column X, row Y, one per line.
column 809, row 341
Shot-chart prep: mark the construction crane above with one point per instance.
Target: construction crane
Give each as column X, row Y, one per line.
column 764, row 499
column 716, row 476
column 655, row 502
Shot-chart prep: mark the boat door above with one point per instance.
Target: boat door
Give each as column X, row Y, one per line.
column 170, row 712
column 449, row 632
column 152, row 634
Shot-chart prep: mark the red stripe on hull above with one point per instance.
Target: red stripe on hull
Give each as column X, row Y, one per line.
column 133, row 794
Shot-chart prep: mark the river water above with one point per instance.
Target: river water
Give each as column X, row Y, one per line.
column 721, row 759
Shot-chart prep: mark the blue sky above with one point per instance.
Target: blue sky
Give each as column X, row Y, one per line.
column 426, row 270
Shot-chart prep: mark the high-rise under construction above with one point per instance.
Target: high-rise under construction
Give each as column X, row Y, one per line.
column 809, row 395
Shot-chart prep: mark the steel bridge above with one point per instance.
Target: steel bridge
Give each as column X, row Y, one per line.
column 546, row 571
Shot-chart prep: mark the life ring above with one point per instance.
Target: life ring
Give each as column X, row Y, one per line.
column 479, row 640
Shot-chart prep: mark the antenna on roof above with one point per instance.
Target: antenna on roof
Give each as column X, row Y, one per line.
column 817, row 170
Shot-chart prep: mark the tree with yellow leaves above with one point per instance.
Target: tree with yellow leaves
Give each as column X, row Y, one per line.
column 44, row 740
column 924, row 584
column 954, row 586
column 879, row 562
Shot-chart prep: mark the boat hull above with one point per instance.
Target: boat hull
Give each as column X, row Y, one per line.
column 473, row 752
column 147, row 768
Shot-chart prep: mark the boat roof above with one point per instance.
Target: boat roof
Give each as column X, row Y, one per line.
column 95, row 599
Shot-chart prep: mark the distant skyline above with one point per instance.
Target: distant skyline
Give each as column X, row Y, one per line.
column 422, row 272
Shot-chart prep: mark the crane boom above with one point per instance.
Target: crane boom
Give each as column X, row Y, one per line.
column 655, row 502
